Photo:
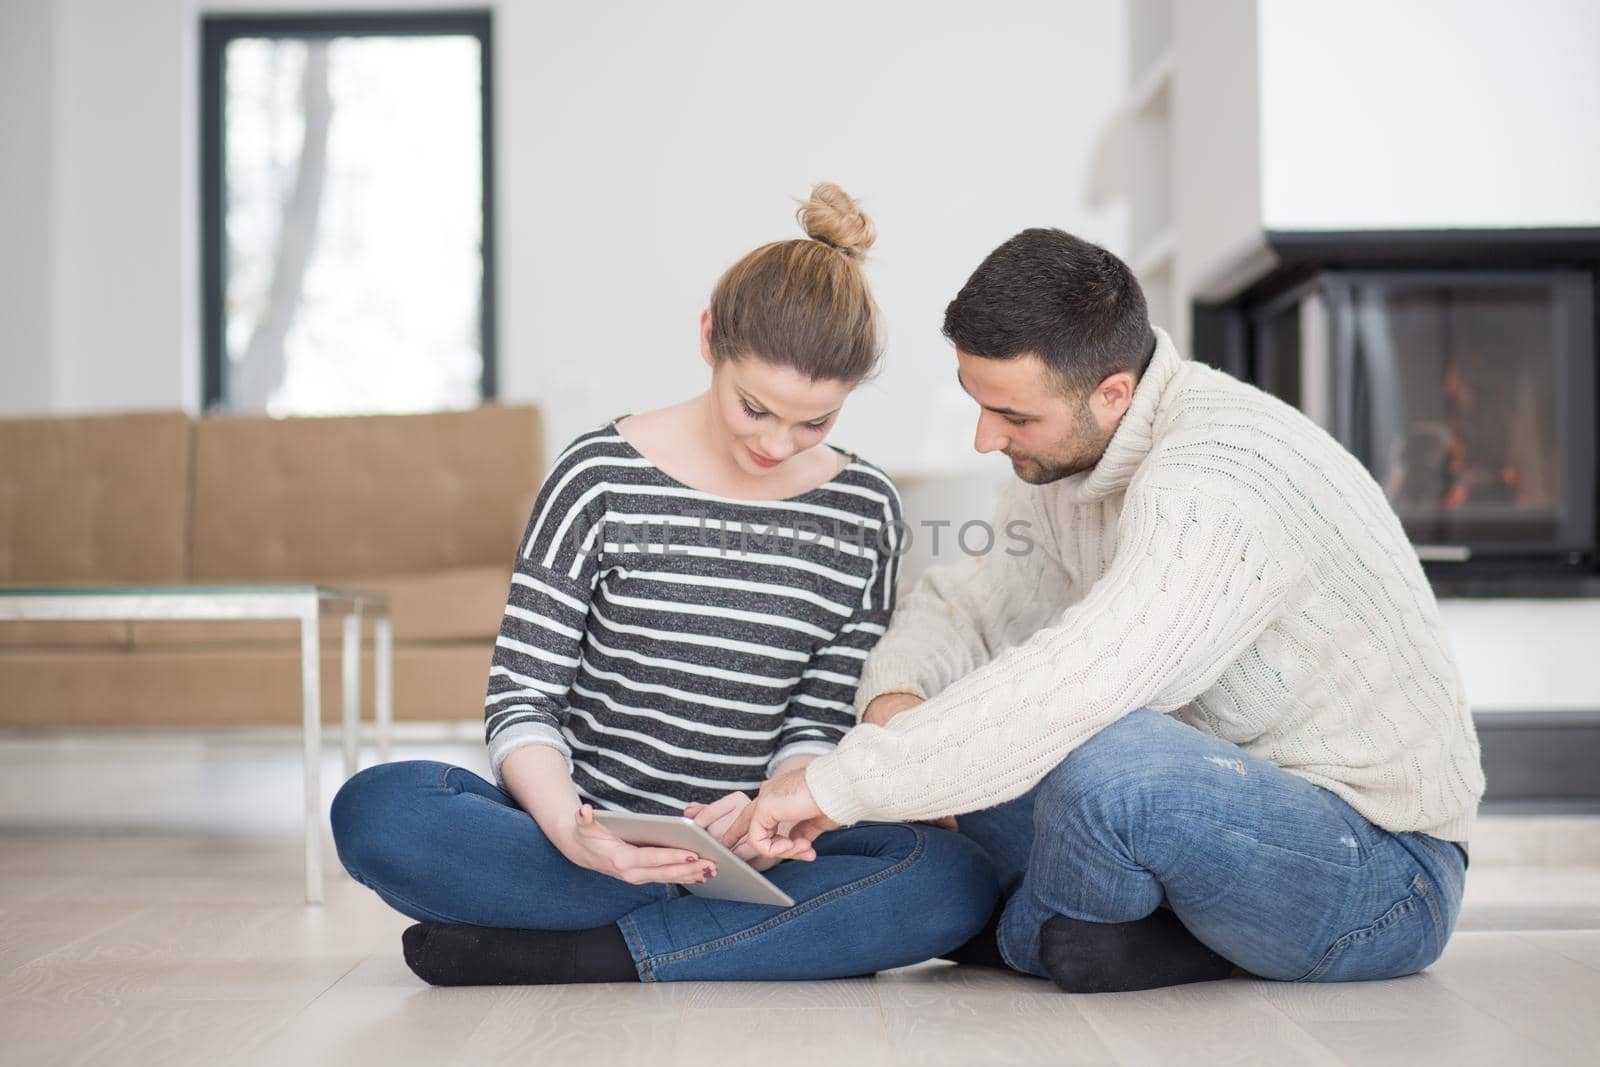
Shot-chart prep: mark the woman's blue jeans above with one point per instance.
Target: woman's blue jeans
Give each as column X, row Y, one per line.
column 1278, row 875
column 440, row 844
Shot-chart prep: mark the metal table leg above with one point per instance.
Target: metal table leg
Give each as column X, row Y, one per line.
column 350, row 665
column 311, row 704
column 383, row 682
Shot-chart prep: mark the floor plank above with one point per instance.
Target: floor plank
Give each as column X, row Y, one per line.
column 378, row 1014
column 1213, row 1022
column 1407, row 1021
column 1546, row 997
column 579, row 1024
column 1026, row 1029
column 30, row 930
column 1473, row 1042
column 173, row 1034
column 1580, row 945
column 780, row 1037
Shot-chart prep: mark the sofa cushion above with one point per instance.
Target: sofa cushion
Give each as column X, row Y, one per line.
column 343, row 498
column 98, row 499
column 462, row 605
column 59, row 634
column 224, row 687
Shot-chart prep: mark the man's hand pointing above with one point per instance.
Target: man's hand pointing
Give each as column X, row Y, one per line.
column 783, row 800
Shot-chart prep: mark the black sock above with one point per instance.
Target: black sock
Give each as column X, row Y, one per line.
column 485, row 955
column 983, row 948
column 1148, row 953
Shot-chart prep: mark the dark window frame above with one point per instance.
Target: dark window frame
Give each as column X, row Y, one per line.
column 216, row 31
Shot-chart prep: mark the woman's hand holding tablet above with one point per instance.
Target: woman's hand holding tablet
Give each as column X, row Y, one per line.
column 593, row 846
column 735, row 879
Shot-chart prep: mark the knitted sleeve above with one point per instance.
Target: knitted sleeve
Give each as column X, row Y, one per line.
column 1192, row 585
column 961, row 615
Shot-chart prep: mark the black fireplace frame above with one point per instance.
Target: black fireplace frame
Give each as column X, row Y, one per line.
column 1286, row 260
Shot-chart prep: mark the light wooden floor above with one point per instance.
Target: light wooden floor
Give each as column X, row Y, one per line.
column 189, row 946
column 175, row 948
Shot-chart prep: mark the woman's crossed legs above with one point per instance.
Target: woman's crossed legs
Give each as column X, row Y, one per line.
column 440, row 844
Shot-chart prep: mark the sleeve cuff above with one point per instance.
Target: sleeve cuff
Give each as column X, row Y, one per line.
column 522, row 735
column 889, row 674
column 833, row 791
column 799, row 748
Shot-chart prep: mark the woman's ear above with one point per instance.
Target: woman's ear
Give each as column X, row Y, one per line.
column 705, row 338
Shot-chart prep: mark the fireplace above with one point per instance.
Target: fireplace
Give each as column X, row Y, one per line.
column 1459, row 367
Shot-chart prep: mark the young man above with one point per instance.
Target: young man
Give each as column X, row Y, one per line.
column 1210, row 722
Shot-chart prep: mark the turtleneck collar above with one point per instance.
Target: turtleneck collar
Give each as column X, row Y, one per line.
column 1131, row 442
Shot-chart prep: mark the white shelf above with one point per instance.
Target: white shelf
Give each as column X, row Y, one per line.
column 1156, row 254
column 1149, row 30
column 1150, row 87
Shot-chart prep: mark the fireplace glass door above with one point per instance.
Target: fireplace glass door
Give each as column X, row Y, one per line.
column 1469, row 395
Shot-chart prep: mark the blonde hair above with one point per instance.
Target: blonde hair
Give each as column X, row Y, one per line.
column 804, row 303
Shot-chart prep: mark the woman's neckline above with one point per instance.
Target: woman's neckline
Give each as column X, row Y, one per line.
column 629, row 445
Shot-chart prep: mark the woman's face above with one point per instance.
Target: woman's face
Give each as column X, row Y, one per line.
column 768, row 413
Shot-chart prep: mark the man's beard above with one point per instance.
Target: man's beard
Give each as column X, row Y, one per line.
column 1076, row 456
column 1038, row 472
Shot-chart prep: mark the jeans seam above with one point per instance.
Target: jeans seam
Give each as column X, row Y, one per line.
column 1426, row 889
column 635, row 940
column 1419, row 887
column 1000, row 942
column 1447, row 865
column 788, row 914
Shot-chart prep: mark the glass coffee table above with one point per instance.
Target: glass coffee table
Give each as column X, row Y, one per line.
column 308, row 605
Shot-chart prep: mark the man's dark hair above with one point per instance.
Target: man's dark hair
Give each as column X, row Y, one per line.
column 1073, row 304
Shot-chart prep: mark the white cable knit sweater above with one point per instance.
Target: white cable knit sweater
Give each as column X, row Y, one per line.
column 1227, row 562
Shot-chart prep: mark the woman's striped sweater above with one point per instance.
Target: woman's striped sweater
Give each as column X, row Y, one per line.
column 675, row 645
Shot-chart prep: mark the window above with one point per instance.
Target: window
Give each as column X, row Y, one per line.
column 346, row 176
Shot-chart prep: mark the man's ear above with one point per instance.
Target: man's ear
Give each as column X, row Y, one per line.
column 1112, row 398
column 705, row 338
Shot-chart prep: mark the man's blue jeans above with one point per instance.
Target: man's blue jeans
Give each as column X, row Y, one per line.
column 1279, row 876
column 440, row 844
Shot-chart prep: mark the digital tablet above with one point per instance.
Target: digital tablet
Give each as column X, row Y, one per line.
column 735, row 879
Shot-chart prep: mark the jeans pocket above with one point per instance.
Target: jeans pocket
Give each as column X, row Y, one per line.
column 1449, row 861
column 1403, row 940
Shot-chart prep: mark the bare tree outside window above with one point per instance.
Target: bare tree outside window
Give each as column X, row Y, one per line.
column 347, row 270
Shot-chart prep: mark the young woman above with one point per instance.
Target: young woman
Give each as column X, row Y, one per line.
column 690, row 609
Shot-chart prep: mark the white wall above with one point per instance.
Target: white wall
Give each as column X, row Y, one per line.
column 99, row 198
column 1430, row 113
column 121, row 313
column 1216, row 138
column 642, row 156
column 641, row 148
column 1527, row 655
column 27, row 146
column 1373, row 114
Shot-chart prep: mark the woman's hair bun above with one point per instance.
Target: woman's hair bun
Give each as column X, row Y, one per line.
column 833, row 217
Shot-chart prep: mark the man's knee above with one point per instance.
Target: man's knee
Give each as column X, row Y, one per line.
column 1125, row 763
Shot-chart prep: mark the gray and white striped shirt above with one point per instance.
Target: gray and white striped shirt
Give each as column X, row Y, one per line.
column 676, row 645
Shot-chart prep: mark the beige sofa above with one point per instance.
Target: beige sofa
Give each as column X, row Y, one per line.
column 425, row 508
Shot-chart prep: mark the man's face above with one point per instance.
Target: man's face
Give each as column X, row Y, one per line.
column 1025, row 413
